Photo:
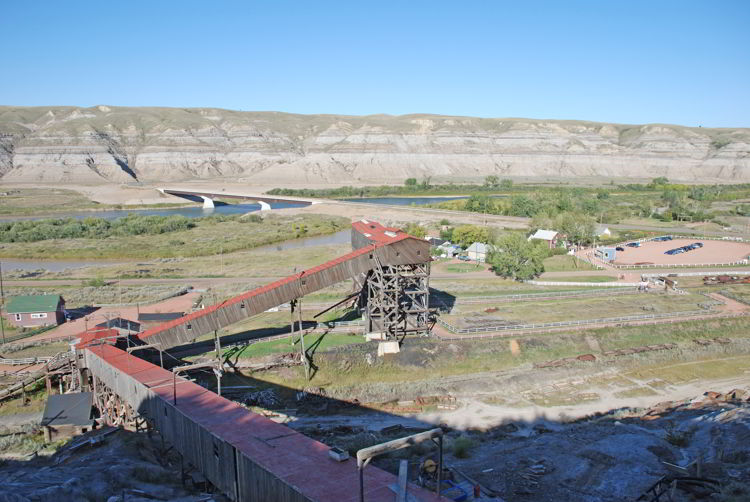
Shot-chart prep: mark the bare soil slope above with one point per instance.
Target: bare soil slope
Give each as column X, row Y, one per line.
column 102, row 143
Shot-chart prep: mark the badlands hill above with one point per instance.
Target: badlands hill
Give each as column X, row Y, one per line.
column 118, row 144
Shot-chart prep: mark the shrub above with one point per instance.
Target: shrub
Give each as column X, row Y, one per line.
column 678, row 438
column 97, row 282
column 462, row 447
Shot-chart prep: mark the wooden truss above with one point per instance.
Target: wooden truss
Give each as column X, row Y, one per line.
column 395, row 300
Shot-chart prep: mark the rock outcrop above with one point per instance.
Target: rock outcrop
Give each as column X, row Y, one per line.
column 69, row 144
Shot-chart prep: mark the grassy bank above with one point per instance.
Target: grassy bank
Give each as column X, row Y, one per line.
column 210, row 236
column 345, row 370
column 38, row 202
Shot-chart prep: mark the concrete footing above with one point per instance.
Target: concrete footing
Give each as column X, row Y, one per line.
column 388, row 348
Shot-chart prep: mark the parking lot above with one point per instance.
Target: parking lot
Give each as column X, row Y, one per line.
column 712, row 252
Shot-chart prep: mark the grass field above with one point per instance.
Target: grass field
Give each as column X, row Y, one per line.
column 43, row 350
column 584, row 278
column 570, row 309
column 565, row 263
column 313, row 343
column 48, row 201
column 739, row 291
column 463, row 267
column 112, row 293
column 210, row 236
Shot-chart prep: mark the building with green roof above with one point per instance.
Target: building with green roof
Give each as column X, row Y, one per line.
column 33, row 311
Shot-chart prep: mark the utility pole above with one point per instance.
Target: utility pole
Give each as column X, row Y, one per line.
column 302, row 341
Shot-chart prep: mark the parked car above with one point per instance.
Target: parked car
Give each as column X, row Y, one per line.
column 697, row 245
column 633, row 244
column 663, row 238
column 619, row 248
column 463, row 257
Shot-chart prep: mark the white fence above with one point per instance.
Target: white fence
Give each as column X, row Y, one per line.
column 677, row 265
column 590, row 284
column 697, row 274
column 608, row 320
column 26, row 361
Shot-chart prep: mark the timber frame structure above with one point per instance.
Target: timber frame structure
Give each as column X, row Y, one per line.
column 391, row 267
column 244, row 455
column 395, row 300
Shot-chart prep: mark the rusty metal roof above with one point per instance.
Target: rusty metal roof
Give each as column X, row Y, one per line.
column 292, row 457
column 381, row 238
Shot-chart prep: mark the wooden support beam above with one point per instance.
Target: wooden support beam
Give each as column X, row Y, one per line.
column 366, row 454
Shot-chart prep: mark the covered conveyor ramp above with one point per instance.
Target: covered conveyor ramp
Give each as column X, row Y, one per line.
column 391, row 266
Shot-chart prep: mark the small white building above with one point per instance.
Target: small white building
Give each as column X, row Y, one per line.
column 477, row 252
column 448, row 250
column 546, row 235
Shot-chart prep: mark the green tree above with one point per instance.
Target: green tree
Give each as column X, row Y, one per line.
column 521, row 205
column 480, row 204
column 447, row 234
column 660, row 181
column 410, row 182
column 578, row 228
column 466, row 235
column 516, row 257
column 416, row 230
column 491, row 181
column 506, row 184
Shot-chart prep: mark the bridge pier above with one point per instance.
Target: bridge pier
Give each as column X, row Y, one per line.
column 208, row 202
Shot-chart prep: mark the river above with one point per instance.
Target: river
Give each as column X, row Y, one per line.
column 188, row 212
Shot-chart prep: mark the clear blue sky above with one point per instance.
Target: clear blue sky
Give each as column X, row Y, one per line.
column 684, row 62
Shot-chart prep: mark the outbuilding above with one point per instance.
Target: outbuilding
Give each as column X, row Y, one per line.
column 477, row 252
column 66, row 415
column 546, row 235
column 33, row 311
column 606, row 254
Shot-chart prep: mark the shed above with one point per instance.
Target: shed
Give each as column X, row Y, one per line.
column 436, row 241
column 66, row 415
column 606, row 254
column 550, row 236
column 33, row 311
column 158, row 317
column 448, row 249
column 478, row 251
column 120, row 324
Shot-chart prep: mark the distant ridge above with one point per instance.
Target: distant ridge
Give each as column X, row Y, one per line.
column 121, row 144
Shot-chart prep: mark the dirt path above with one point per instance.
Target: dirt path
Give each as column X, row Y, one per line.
column 480, row 415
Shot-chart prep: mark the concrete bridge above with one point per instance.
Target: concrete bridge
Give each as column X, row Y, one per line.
column 208, row 197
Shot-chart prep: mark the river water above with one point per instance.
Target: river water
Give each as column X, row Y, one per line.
column 341, row 237
column 188, row 212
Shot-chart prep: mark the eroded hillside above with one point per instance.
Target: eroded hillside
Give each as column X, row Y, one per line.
column 99, row 144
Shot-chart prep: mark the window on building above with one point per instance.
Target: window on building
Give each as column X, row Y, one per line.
column 39, row 315
column 18, row 317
